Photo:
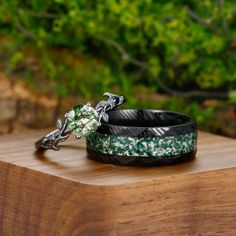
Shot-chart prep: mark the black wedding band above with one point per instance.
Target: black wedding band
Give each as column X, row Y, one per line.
column 141, row 137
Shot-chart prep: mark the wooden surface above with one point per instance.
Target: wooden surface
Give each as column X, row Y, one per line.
column 64, row 193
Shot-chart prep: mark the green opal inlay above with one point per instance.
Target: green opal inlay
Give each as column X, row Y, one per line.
column 147, row 146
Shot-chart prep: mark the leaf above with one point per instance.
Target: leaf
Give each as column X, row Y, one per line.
column 59, row 124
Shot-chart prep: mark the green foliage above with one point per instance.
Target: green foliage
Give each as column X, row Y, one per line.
column 121, row 44
column 232, row 96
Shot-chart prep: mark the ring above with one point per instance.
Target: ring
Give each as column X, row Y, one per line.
column 142, row 137
column 82, row 120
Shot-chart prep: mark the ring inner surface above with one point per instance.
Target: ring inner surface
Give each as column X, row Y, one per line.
column 146, row 118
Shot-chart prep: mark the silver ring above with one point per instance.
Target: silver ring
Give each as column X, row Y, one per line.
column 81, row 120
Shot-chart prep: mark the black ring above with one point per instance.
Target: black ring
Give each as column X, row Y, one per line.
column 141, row 137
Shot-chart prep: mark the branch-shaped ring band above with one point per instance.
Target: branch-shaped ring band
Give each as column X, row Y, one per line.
column 81, row 120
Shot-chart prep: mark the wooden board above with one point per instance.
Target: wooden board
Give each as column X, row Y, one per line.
column 64, row 193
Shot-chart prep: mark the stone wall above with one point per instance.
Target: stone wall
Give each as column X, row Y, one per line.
column 23, row 108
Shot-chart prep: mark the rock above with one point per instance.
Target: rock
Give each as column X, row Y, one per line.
column 225, row 121
column 6, row 89
column 33, row 115
column 23, row 108
column 5, row 127
column 7, row 108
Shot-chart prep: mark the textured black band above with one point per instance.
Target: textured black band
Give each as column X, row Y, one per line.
column 144, row 138
column 140, row 161
column 147, row 123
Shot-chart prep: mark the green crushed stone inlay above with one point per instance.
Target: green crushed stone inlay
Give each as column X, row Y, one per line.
column 147, row 146
column 82, row 120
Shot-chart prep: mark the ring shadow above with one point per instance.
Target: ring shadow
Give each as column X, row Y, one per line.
column 134, row 171
column 41, row 156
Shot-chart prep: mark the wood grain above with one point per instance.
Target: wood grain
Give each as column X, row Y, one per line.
column 64, row 193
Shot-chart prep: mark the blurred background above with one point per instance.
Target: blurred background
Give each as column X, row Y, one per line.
column 177, row 55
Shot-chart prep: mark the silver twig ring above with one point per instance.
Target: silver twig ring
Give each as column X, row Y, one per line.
column 81, row 120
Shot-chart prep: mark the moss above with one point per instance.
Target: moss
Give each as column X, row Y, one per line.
column 149, row 146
